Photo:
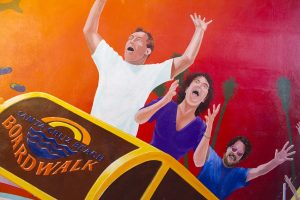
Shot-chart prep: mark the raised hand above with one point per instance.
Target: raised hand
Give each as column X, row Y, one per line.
column 209, row 118
column 90, row 29
column 298, row 127
column 172, row 92
column 291, row 186
column 198, row 22
column 284, row 154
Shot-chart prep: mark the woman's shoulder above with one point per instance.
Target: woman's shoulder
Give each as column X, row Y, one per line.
column 200, row 122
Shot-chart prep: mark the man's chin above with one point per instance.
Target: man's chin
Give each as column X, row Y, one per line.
column 129, row 58
column 228, row 164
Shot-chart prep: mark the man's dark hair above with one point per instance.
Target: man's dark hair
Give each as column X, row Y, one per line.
column 181, row 94
column 245, row 141
column 150, row 40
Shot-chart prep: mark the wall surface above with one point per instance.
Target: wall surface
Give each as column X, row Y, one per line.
column 254, row 43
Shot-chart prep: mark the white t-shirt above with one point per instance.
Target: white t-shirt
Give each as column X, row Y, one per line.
column 123, row 88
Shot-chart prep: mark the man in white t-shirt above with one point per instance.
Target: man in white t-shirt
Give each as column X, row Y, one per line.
column 125, row 84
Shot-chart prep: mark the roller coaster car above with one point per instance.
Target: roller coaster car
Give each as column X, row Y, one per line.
column 56, row 151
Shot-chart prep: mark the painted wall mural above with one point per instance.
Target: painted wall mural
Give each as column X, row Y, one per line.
column 250, row 50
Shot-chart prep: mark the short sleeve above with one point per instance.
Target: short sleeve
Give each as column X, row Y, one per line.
column 242, row 176
column 105, row 57
column 212, row 155
column 162, row 72
column 202, row 129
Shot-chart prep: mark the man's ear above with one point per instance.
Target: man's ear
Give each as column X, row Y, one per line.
column 148, row 51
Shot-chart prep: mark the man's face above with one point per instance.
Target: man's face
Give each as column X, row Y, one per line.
column 234, row 154
column 197, row 91
column 136, row 48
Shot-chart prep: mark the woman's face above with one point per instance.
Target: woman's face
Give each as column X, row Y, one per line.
column 197, row 91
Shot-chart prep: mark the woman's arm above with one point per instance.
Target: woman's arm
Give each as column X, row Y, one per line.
column 144, row 114
column 200, row 153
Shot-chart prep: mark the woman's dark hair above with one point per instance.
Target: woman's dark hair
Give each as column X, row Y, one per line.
column 245, row 141
column 181, row 94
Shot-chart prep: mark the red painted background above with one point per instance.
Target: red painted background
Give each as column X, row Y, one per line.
column 253, row 41
column 256, row 43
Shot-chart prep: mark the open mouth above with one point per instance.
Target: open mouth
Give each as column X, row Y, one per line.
column 232, row 157
column 196, row 92
column 130, row 49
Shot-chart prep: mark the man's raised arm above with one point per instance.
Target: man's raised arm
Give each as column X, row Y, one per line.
column 187, row 59
column 90, row 29
column 279, row 158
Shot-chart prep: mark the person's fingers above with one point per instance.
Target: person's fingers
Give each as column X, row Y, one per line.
column 192, row 17
column 176, row 81
column 219, row 105
column 290, row 147
column 285, row 145
column 208, row 22
column 217, row 109
column 286, row 177
column 291, row 153
column 174, row 85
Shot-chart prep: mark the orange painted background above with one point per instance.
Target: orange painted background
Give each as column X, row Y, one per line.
column 253, row 41
column 46, row 49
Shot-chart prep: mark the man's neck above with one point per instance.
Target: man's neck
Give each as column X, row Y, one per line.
column 138, row 62
column 135, row 62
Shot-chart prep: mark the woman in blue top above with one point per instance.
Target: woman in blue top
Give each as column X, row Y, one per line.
column 178, row 127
